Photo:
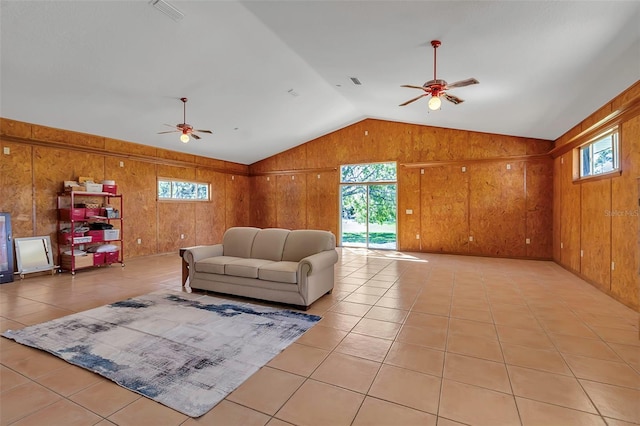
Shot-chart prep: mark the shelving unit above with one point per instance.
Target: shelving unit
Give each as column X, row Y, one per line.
column 73, row 217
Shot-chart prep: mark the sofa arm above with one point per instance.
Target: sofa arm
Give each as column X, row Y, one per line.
column 317, row 262
column 194, row 254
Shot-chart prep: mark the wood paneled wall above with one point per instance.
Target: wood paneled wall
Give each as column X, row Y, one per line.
column 597, row 226
column 503, row 197
column 41, row 158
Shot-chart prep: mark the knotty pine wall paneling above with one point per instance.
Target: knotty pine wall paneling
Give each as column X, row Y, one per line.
column 68, row 137
column 497, row 209
column 124, row 147
column 211, row 215
column 292, row 159
column 321, row 152
column 291, row 201
column 595, row 233
column 445, row 209
column 52, row 166
column 136, row 180
column 238, row 200
column 557, row 209
column 570, row 214
column 263, row 202
column 625, row 218
column 16, row 187
column 539, row 208
column 322, row 201
column 176, row 219
column 409, row 224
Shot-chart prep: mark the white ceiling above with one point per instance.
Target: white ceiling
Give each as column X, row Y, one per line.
column 118, row 68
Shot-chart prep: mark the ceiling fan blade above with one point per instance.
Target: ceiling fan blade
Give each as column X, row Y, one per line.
column 414, row 99
column 203, row 131
column 453, row 99
column 169, row 131
column 462, row 83
column 193, row 135
column 170, row 125
column 413, row 87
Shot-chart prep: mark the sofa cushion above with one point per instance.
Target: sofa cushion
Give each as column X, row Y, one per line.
column 269, row 243
column 305, row 242
column 245, row 267
column 238, row 241
column 214, row 265
column 285, row 272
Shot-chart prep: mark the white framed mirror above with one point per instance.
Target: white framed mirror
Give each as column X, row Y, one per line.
column 33, row 254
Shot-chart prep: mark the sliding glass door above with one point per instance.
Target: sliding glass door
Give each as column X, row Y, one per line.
column 368, row 198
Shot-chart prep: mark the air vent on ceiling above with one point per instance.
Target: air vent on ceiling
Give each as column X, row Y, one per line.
column 356, row 81
column 168, row 9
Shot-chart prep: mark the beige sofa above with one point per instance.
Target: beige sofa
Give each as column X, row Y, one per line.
column 279, row 265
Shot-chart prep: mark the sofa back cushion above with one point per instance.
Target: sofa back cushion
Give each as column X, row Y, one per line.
column 237, row 241
column 269, row 244
column 305, row 242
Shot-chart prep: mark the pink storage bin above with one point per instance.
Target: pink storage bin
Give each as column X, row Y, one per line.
column 75, row 213
column 99, row 258
column 96, row 236
column 112, row 189
column 112, row 256
column 91, row 212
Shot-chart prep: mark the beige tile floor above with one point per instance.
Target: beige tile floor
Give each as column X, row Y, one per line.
column 405, row 339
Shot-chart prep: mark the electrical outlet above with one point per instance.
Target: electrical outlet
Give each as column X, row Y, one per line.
column 464, row 169
column 182, row 236
column 7, row 150
column 561, row 245
column 470, row 237
column 613, row 266
column 528, row 240
column 366, row 133
column 417, row 236
column 581, row 253
column 139, row 240
column 122, row 164
column 421, row 171
column 409, row 211
column 508, row 166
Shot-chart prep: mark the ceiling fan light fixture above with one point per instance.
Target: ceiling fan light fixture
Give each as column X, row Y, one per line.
column 184, row 138
column 434, row 103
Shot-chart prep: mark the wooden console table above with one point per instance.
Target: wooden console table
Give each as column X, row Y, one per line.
column 185, row 267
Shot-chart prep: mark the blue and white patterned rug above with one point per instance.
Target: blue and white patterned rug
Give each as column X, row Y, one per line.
column 186, row 351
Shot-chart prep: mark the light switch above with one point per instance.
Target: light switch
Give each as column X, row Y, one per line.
column 7, row 150
column 464, row 169
column 508, row 166
column 421, row 171
column 471, row 238
column 528, row 240
column 122, row 164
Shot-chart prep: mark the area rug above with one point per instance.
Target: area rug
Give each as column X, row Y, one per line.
column 186, row 351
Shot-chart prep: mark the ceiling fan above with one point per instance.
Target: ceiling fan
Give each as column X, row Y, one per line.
column 184, row 128
column 437, row 88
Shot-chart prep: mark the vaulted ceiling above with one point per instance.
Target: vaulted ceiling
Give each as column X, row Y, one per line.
column 269, row 75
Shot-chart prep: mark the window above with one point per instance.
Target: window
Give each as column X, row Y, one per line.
column 600, row 155
column 169, row 189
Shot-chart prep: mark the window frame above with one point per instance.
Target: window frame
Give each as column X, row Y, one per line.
column 182, row 181
column 614, row 134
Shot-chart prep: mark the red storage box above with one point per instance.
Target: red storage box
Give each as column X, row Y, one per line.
column 72, row 214
column 112, row 189
column 91, row 212
column 99, row 258
column 112, row 256
column 96, row 236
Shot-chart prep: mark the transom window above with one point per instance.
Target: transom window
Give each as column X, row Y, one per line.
column 600, row 155
column 170, row 189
